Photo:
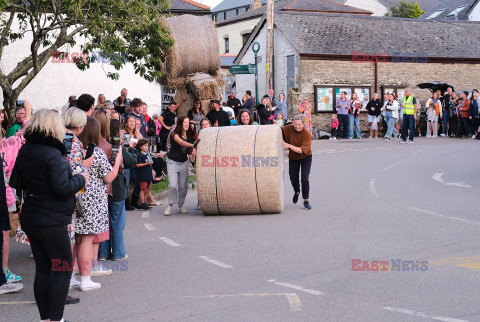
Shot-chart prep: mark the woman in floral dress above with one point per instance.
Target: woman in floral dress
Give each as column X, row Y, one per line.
column 305, row 109
column 94, row 219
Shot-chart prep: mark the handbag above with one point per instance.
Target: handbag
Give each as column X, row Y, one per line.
column 79, row 209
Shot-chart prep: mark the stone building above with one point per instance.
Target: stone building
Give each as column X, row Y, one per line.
column 316, row 56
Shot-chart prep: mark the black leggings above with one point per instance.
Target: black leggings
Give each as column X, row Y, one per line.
column 2, row 275
column 294, row 167
column 52, row 253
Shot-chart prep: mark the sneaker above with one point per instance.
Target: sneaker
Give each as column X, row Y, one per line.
column 387, row 139
column 410, row 142
column 295, row 197
column 120, row 259
column 403, row 142
column 168, row 211
column 74, row 283
column 89, row 285
column 12, row 278
column 10, row 288
column 72, row 300
column 331, row 138
column 442, row 135
column 144, row 206
column 182, row 210
column 474, row 136
column 334, row 138
column 306, row 205
column 100, row 270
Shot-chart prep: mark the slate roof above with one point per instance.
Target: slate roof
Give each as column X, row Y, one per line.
column 324, row 6
column 313, row 34
column 231, row 4
column 424, row 4
column 188, row 5
column 332, row 34
column 449, row 6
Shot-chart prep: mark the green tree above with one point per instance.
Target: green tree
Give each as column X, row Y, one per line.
column 125, row 30
column 405, row 10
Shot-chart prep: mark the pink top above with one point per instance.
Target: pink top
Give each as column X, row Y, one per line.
column 158, row 126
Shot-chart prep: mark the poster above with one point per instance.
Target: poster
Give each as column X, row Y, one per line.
column 363, row 95
column 338, row 91
column 324, row 99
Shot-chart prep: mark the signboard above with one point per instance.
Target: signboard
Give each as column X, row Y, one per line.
column 168, row 95
column 243, row 69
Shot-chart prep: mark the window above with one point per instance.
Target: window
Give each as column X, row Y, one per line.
column 227, row 45
column 326, row 96
column 436, row 13
column 456, row 11
column 245, row 38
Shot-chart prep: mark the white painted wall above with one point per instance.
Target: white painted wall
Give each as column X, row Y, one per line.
column 247, row 82
column 210, row 3
column 57, row 81
column 282, row 49
column 234, row 33
column 475, row 13
column 374, row 6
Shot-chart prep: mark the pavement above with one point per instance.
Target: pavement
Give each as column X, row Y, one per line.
column 372, row 201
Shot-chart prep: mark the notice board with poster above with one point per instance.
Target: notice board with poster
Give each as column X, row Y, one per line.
column 326, row 96
column 324, row 99
column 168, row 95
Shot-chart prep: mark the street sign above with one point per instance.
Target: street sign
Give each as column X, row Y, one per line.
column 243, row 69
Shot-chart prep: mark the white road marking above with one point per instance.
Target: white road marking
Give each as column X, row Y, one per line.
column 293, row 299
column 438, row 177
column 150, row 226
column 443, row 216
column 19, row 302
column 169, row 242
column 421, row 314
column 145, row 214
column 296, row 287
column 215, row 262
column 372, row 187
column 393, row 164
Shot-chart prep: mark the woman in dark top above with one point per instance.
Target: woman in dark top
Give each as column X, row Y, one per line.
column 181, row 142
column 167, row 119
column 374, row 110
column 43, row 172
column 196, row 114
column 264, row 112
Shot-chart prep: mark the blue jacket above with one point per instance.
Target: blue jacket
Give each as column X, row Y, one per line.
column 473, row 108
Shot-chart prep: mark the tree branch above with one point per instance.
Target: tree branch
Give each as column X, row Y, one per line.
column 5, row 32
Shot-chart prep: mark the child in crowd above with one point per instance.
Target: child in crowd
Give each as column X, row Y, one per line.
column 144, row 172
column 232, row 118
column 280, row 120
column 334, row 127
column 431, row 114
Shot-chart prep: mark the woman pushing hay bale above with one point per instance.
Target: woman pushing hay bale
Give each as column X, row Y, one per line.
column 240, row 170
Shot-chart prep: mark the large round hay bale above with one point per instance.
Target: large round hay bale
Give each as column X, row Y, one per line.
column 240, row 170
column 195, row 48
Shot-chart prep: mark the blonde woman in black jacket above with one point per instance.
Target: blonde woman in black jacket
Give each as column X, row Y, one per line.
column 43, row 173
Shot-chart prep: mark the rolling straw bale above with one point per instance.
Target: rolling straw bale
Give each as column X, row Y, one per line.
column 240, row 170
column 195, row 48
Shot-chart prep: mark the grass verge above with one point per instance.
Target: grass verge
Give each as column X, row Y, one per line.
column 163, row 185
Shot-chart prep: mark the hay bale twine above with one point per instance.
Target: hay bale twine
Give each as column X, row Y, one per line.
column 240, row 170
column 195, row 48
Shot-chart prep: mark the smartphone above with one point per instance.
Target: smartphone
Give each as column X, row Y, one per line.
column 126, row 139
column 115, row 148
column 67, row 141
column 90, row 149
column 20, row 103
column 149, row 157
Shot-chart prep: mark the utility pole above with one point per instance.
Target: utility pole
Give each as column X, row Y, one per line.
column 269, row 47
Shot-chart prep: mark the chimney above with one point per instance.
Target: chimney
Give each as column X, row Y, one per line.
column 256, row 4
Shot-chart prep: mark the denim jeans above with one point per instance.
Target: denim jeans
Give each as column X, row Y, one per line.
column 115, row 246
column 136, row 189
column 445, row 120
column 127, row 173
column 390, row 124
column 52, row 254
column 342, row 125
column 409, row 123
column 353, row 122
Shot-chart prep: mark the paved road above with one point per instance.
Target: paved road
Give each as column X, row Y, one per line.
column 373, row 200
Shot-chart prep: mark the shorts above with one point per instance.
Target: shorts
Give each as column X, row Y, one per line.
column 372, row 118
column 12, row 208
column 145, row 185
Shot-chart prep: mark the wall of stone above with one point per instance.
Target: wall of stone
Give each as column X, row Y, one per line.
column 326, row 72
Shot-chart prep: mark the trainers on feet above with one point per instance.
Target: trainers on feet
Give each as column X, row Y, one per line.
column 10, row 287
column 182, row 210
column 387, row 139
column 120, row 259
column 74, row 283
column 168, row 211
column 11, row 278
column 410, row 142
column 72, row 300
column 295, row 197
column 306, row 205
column 100, row 270
column 403, row 142
column 89, row 285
